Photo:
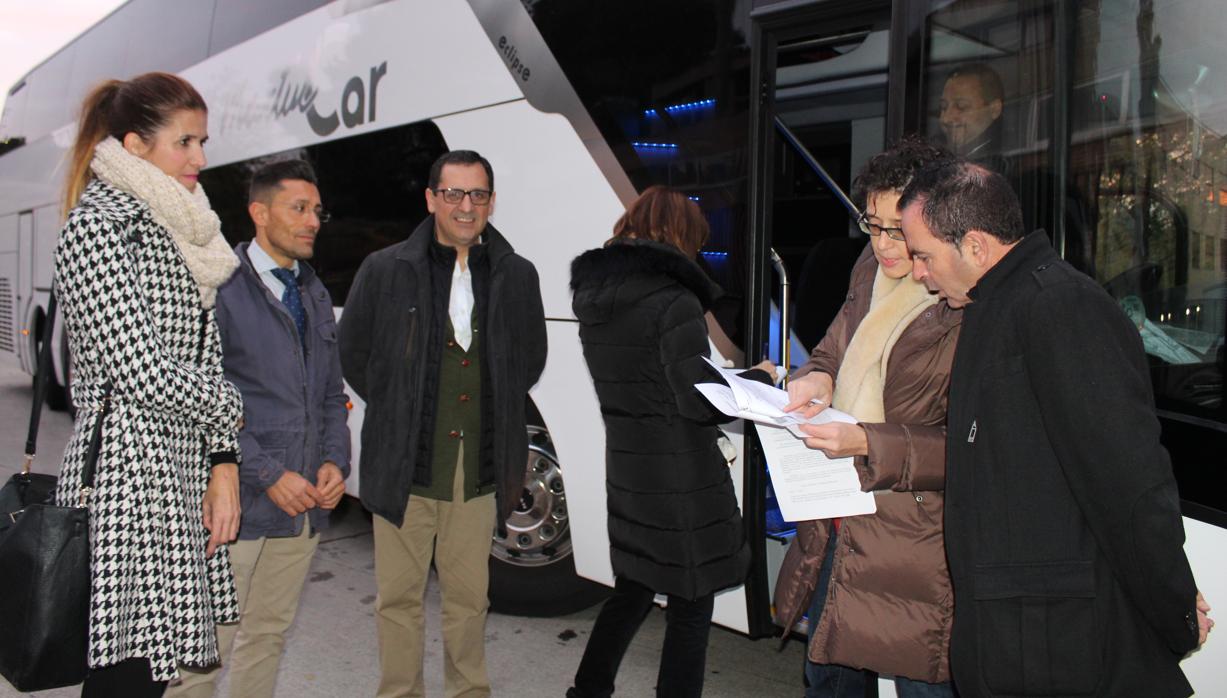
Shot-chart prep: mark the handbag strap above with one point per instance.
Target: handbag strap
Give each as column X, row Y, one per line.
column 41, row 378
column 41, row 375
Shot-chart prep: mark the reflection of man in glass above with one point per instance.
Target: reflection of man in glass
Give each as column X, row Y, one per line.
column 971, row 105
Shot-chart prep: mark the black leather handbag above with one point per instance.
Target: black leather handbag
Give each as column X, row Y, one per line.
column 44, row 563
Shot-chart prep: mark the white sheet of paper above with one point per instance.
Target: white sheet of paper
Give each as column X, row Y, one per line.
column 826, row 416
column 762, row 403
column 751, row 395
column 808, row 484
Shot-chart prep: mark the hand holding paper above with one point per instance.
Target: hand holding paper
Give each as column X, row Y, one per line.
column 808, row 484
column 761, row 403
column 837, row 439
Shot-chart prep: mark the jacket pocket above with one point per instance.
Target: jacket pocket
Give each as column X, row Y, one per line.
column 320, row 363
column 412, row 334
column 327, row 330
column 1037, row 630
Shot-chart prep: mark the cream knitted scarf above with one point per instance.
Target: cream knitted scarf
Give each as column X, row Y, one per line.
column 192, row 224
column 862, row 374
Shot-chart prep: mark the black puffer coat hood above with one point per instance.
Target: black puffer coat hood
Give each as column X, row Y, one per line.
column 674, row 524
column 596, row 274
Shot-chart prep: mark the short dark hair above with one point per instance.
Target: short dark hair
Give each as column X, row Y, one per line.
column 459, row 157
column 957, row 196
column 990, row 82
column 268, row 178
column 893, row 168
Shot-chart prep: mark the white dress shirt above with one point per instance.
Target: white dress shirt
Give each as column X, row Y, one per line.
column 460, row 305
column 264, row 266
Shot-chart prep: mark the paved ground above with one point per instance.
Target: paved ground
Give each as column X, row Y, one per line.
column 331, row 651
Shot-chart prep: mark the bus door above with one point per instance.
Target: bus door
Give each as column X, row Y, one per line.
column 821, row 113
column 11, row 320
column 820, row 110
column 25, row 287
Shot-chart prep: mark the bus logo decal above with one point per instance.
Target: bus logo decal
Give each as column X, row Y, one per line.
column 357, row 104
column 358, row 101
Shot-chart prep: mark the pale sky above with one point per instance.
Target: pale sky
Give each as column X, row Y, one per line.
column 32, row 30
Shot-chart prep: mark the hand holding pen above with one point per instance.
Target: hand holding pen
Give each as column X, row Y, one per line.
column 810, row 394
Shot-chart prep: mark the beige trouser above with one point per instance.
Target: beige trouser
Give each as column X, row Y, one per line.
column 457, row 535
column 268, row 575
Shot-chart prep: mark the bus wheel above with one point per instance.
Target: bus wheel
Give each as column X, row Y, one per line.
column 60, row 397
column 532, row 572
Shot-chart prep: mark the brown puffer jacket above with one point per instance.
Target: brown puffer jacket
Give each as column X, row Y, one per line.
column 889, row 607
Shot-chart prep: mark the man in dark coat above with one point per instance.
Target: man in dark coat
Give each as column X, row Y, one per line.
column 1063, row 527
column 442, row 336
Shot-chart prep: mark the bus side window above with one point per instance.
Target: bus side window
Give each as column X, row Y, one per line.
column 1144, row 210
column 372, row 185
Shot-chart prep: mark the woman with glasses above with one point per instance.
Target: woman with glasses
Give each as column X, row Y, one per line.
column 674, row 526
column 136, row 272
column 876, row 586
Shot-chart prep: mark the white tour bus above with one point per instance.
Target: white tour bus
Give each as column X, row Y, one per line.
column 762, row 111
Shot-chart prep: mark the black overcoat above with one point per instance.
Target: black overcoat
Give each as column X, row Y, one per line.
column 387, row 358
column 1063, row 526
column 674, row 525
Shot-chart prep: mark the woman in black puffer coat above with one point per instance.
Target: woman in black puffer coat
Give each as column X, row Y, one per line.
column 674, row 525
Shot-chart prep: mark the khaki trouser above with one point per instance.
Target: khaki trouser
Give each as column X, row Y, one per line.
column 268, row 575
column 457, row 535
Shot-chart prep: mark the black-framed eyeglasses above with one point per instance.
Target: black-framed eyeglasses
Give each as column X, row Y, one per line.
column 479, row 197
column 874, row 230
column 301, row 209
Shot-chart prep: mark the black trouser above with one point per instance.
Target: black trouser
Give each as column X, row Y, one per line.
column 682, row 661
column 131, row 678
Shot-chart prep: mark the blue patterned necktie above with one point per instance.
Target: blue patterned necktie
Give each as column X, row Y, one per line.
column 292, row 300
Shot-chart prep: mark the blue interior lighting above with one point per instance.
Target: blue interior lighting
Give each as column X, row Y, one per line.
column 676, row 109
column 691, row 106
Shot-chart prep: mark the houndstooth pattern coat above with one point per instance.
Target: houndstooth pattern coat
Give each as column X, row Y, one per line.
column 135, row 321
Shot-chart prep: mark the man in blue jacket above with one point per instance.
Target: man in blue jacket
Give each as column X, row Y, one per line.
column 1063, row 529
column 280, row 349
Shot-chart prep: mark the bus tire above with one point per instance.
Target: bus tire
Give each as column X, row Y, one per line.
column 541, row 592
column 532, row 571
column 57, row 397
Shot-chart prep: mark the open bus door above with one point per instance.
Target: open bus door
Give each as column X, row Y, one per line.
column 819, row 109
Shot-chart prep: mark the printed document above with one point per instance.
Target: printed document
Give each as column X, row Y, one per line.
column 808, row 484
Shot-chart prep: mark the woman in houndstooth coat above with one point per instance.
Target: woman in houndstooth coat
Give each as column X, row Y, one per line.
column 136, row 272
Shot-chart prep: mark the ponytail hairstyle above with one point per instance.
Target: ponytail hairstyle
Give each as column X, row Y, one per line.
column 664, row 215
column 116, row 108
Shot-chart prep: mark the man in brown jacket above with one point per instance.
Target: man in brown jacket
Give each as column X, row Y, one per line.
column 880, row 591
